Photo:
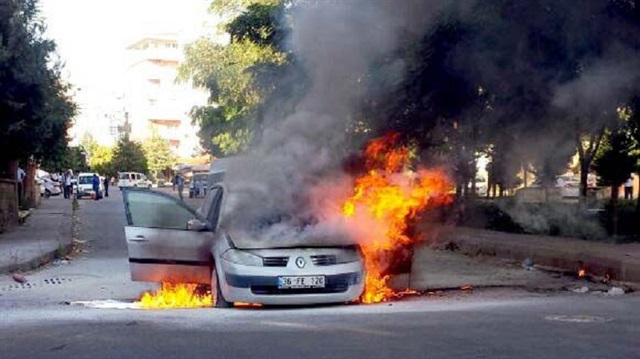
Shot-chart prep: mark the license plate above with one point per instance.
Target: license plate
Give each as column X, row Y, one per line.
column 294, row 282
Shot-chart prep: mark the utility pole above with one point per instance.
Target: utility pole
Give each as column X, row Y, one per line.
column 125, row 129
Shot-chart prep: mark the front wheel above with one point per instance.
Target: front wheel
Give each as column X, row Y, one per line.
column 216, row 293
column 47, row 193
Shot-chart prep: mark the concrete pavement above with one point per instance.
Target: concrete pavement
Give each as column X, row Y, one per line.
column 619, row 262
column 45, row 235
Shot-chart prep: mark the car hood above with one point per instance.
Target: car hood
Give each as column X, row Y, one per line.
column 245, row 239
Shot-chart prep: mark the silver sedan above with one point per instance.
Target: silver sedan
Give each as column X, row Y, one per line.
column 168, row 241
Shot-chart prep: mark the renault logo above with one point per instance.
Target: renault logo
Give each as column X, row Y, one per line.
column 300, row 262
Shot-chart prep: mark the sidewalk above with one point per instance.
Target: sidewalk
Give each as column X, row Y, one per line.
column 618, row 261
column 46, row 233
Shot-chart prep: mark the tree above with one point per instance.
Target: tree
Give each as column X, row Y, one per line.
column 34, row 107
column 159, row 155
column 98, row 156
column 74, row 158
column 614, row 164
column 101, row 160
column 128, row 156
column 242, row 77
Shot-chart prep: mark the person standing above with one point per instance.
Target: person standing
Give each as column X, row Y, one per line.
column 628, row 188
column 63, row 183
column 106, row 186
column 95, row 181
column 67, row 184
column 180, row 184
column 20, row 175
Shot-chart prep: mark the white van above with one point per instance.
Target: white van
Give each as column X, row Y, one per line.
column 85, row 185
column 133, row 179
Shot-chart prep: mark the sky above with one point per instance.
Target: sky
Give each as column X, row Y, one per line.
column 92, row 36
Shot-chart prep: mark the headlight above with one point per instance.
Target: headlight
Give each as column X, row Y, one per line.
column 242, row 257
column 348, row 256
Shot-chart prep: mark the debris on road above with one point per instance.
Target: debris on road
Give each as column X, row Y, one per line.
column 615, row 291
column 580, row 290
column 528, row 264
column 19, row 278
column 466, row 287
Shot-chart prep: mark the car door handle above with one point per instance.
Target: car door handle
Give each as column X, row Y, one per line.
column 139, row 238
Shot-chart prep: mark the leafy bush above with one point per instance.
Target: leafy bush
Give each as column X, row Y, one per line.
column 555, row 219
column 627, row 220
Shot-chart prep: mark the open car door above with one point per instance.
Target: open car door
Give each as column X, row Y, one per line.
column 167, row 240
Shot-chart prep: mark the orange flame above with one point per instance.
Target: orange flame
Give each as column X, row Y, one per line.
column 175, row 296
column 391, row 195
column 582, row 273
column 246, row 305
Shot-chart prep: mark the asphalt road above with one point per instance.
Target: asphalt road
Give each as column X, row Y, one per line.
column 37, row 321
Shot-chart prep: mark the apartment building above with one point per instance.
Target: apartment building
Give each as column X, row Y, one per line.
column 153, row 100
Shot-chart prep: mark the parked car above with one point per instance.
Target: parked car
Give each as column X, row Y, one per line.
column 569, row 186
column 48, row 187
column 133, row 179
column 169, row 241
column 85, row 185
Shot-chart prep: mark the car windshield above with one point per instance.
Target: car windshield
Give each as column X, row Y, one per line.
column 85, row 179
column 124, row 176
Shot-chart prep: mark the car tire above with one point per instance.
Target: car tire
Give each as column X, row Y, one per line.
column 149, row 187
column 216, row 293
column 47, row 193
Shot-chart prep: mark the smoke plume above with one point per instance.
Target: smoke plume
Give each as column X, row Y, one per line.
column 281, row 183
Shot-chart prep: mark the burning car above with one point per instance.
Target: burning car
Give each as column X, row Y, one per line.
column 169, row 241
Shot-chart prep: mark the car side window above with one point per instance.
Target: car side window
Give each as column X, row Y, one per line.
column 211, row 206
column 152, row 210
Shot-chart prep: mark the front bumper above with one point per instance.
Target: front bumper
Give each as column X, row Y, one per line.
column 239, row 283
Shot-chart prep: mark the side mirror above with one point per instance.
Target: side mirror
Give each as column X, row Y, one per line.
column 196, row 225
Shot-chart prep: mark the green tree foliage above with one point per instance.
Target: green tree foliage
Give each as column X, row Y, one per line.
column 159, row 155
column 616, row 160
column 99, row 156
column 73, row 158
column 101, row 160
column 34, row 107
column 242, row 76
column 129, row 156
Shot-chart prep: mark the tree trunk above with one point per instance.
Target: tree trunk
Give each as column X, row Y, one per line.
column 525, row 177
column 29, row 187
column 584, row 173
column 613, row 215
column 638, row 211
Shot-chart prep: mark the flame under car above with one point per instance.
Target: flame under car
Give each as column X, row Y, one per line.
column 169, row 241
